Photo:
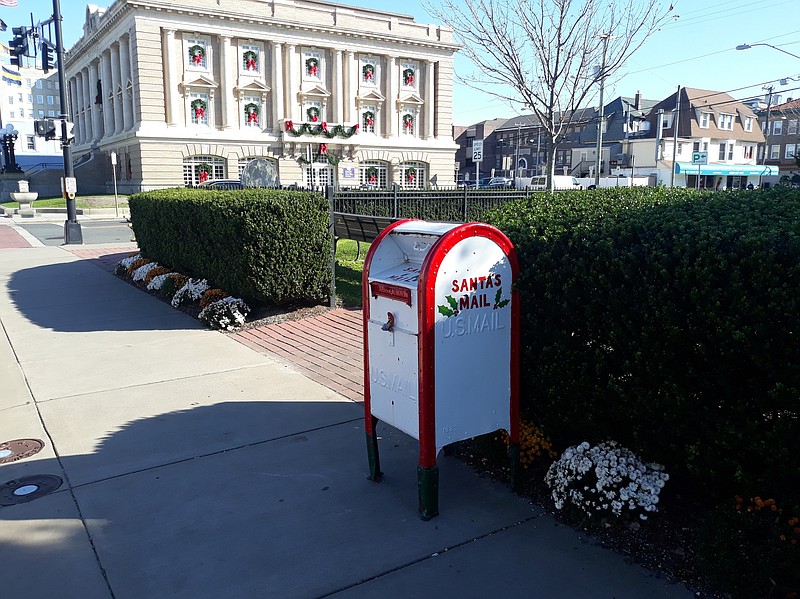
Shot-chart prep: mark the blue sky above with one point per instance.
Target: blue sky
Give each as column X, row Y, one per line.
column 696, row 50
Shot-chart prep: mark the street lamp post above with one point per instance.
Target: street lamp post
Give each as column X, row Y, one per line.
column 769, row 89
column 748, row 46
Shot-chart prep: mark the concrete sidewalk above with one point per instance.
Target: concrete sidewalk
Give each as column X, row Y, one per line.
column 194, row 466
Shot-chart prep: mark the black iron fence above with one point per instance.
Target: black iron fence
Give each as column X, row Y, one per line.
column 448, row 205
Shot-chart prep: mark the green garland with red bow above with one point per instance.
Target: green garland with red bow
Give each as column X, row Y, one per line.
column 250, row 61
column 321, row 129
column 251, row 113
column 202, row 171
column 197, row 54
column 411, row 175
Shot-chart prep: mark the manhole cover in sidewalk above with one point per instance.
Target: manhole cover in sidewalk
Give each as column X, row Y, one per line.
column 19, row 449
column 28, row 488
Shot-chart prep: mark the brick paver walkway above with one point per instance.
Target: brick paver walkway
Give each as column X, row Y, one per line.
column 327, row 348
column 9, row 238
column 105, row 258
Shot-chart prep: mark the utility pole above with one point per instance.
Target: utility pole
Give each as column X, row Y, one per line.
column 602, row 75
column 72, row 228
column 675, row 122
column 769, row 89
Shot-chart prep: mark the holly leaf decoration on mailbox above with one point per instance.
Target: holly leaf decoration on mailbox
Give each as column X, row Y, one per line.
column 497, row 301
column 452, row 310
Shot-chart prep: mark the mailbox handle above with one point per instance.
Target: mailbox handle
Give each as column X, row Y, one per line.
column 389, row 326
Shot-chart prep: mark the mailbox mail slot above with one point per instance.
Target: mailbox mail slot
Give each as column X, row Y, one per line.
column 441, row 332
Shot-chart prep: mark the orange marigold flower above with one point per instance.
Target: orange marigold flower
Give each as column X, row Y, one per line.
column 782, row 537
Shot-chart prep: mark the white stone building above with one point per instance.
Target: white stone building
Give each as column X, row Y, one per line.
column 196, row 89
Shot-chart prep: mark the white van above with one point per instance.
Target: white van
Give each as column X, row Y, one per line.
column 560, row 183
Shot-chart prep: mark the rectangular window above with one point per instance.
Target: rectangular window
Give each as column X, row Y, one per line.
column 721, row 155
column 695, row 146
column 666, row 120
column 31, row 141
column 11, row 114
column 680, row 148
column 774, row 152
column 20, row 98
column 705, row 117
column 789, row 151
column 726, row 121
column 30, row 113
column 28, row 83
column 777, row 127
column 730, row 150
column 40, row 99
column 748, row 123
column 50, row 100
column 252, row 111
column 312, row 65
column 38, row 84
column 49, row 85
column 251, row 59
column 30, row 98
column 409, row 76
column 369, row 71
column 748, row 152
column 791, row 128
column 198, row 108
column 369, row 115
column 197, row 53
column 51, row 113
column 41, row 114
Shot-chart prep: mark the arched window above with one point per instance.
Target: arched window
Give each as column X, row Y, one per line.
column 199, row 169
column 374, row 174
column 413, row 175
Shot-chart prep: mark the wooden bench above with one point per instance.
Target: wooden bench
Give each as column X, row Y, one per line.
column 358, row 227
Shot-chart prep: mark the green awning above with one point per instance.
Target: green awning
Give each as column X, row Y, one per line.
column 742, row 170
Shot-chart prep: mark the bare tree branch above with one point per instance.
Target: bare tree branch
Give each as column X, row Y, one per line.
column 548, row 55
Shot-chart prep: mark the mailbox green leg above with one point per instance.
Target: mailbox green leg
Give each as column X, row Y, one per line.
column 372, row 453
column 513, row 455
column 428, row 485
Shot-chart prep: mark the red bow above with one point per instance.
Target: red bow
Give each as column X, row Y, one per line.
column 370, row 122
column 199, row 113
column 312, row 70
column 197, row 59
column 324, row 126
column 289, row 125
column 251, row 64
column 203, row 176
column 323, row 149
column 252, row 117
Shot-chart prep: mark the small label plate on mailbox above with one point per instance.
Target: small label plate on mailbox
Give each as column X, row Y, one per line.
column 387, row 290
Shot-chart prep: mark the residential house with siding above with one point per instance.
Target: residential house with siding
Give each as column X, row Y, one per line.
column 783, row 140
column 696, row 120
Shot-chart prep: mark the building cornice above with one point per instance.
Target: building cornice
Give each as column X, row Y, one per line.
column 160, row 10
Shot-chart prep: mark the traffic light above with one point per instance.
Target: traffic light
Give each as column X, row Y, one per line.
column 19, row 45
column 45, row 128
column 48, row 57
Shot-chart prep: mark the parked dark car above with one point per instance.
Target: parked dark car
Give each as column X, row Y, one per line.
column 221, row 184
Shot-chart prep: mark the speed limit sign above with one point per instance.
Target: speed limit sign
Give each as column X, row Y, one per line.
column 477, row 150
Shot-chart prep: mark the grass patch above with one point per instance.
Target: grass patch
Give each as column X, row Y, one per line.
column 348, row 272
column 82, row 203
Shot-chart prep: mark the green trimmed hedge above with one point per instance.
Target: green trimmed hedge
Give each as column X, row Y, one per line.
column 265, row 246
column 667, row 320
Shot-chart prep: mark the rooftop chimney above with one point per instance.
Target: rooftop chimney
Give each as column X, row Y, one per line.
column 637, row 101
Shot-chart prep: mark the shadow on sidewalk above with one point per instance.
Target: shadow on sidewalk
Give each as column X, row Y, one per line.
column 79, row 297
column 238, row 497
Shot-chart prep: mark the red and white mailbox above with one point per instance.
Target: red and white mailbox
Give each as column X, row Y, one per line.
column 441, row 339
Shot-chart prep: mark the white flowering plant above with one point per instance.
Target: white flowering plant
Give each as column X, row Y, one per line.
column 123, row 265
column 140, row 273
column 192, row 291
column 157, row 281
column 226, row 314
column 605, row 479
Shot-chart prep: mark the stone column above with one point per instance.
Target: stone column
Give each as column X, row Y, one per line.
column 338, row 87
column 115, row 86
column 226, row 83
column 171, row 95
column 73, row 103
column 430, row 112
column 391, row 98
column 97, row 125
column 278, row 99
column 292, row 109
column 85, row 122
column 349, row 92
column 125, row 77
column 108, row 105
column 132, row 75
column 80, row 112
